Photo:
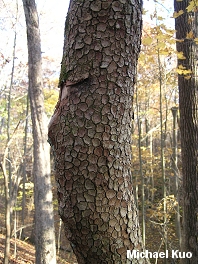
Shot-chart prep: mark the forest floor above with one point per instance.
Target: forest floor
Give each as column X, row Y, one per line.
column 25, row 253
column 25, row 250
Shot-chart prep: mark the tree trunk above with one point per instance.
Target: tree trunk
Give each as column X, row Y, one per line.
column 162, row 155
column 90, row 131
column 7, row 199
column 25, row 166
column 188, row 100
column 44, row 218
column 176, row 175
column 7, row 210
column 8, row 177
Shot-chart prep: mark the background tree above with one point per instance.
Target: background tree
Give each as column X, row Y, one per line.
column 186, row 31
column 90, row 131
column 44, row 218
column 156, row 93
column 10, row 199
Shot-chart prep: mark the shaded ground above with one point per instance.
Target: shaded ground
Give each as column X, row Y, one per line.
column 25, row 253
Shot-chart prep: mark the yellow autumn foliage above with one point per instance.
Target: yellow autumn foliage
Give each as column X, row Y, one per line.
column 177, row 14
column 182, row 70
column 180, row 55
column 192, row 5
column 190, row 35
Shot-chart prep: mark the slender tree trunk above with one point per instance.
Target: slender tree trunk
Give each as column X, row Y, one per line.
column 59, row 236
column 175, row 171
column 7, row 211
column 151, row 168
column 25, row 165
column 141, row 174
column 7, row 199
column 142, row 181
column 9, row 111
column 44, row 218
column 188, row 105
column 90, row 131
column 8, row 176
column 162, row 146
column 9, row 98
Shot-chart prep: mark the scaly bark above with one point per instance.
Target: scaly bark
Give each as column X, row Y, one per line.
column 90, row 131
